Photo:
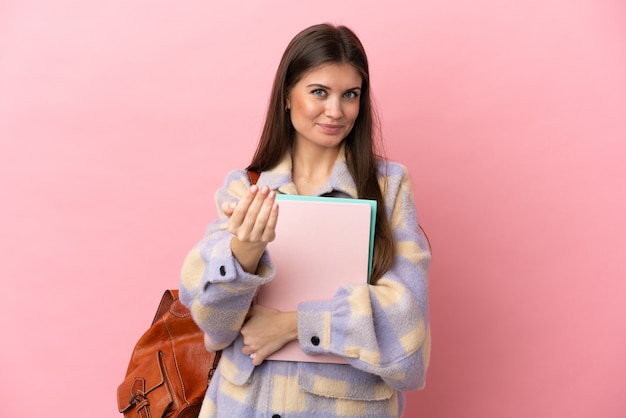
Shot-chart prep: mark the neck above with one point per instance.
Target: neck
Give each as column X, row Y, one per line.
column 312, row 166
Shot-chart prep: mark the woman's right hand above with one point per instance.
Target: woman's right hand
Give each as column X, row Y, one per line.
column 252, row 221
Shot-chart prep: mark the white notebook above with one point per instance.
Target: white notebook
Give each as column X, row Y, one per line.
column 321, row 243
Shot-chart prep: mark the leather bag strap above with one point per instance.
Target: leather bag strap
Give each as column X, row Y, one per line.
column 139, row 399
column 254, row 176
column 216, row 360
column 166, row 302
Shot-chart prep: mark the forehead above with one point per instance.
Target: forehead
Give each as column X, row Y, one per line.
column 333, row 75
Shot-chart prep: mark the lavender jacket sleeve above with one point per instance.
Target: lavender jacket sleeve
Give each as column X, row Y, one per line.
column 213, row 284
column 382, row 329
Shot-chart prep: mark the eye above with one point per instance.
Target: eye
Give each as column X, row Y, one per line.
column 318, row 92
column 351, row 94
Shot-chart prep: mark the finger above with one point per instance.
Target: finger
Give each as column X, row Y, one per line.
column 249, row 230
column 263, row 216
column 241, row 209
column 251, row 311
column 257, row 359
column 269, row 233
column 228, row 208
column 248, row 315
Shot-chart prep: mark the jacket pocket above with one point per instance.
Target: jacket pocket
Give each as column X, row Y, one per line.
column 235, row 366
column 341, row 381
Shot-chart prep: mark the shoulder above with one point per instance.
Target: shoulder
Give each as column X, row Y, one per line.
column 236, row 175
column 235, row 185
column 390, row 168
column 392, row 175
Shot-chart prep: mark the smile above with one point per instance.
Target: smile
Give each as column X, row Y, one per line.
column 330, row 129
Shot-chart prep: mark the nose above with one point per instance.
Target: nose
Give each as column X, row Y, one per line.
column 333, row 108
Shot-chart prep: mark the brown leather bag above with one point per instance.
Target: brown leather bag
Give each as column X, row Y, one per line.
column 170, row 368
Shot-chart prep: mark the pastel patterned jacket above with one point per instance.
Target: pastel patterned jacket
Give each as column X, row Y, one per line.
column 382, row 330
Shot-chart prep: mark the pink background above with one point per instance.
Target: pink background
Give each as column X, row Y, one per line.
column 119, row 118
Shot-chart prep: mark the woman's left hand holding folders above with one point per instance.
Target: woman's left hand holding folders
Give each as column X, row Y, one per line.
column 266, row 330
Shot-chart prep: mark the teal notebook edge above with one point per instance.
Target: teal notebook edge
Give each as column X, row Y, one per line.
column 372, row 203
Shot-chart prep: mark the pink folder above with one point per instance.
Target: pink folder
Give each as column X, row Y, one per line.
column 321, row 244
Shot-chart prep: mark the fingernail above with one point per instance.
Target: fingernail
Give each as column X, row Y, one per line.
column 252, row 356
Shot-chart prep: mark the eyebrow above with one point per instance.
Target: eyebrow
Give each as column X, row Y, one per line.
column 328, row 88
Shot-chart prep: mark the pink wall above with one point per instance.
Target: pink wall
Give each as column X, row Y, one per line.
column 118, row 119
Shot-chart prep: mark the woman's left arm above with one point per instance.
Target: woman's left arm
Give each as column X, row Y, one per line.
column 384, row 328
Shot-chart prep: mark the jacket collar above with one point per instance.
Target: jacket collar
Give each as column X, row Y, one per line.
column 279, row 177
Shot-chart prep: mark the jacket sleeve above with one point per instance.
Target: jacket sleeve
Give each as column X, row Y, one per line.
column 381, row 329
column 213, row 284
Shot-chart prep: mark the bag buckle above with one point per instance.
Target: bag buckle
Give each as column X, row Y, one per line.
column 133, row 400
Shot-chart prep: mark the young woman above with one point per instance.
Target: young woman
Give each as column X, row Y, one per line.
column 318, row 139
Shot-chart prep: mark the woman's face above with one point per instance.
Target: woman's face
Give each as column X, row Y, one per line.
column 324, row 104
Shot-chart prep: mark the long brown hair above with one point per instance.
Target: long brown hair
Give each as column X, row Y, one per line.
column 314, row 46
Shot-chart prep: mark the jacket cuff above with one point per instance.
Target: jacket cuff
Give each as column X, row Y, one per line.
column 314, row 327
column 223, row 267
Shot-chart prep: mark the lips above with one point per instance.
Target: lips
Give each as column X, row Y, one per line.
column 330, row 128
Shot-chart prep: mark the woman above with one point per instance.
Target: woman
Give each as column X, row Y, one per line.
column 317, row 140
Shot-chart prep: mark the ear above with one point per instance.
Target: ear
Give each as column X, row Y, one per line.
column 287, row 104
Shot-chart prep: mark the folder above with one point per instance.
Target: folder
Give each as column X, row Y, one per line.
column 321, row 244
